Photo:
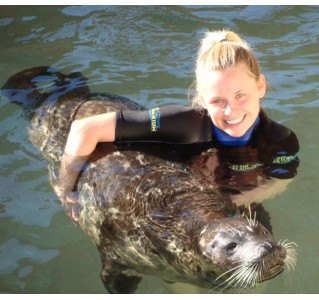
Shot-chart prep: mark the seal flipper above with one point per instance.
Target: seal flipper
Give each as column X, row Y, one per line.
column 33, row 87
column 118, row 283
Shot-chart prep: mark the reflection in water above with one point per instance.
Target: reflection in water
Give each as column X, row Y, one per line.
column 249, row 174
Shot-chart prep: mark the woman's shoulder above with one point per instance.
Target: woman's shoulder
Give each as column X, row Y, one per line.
column 276, row 135
column 274, row 130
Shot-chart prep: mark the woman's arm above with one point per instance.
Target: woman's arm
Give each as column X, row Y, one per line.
column 86, row 133
column 170, row 124
column 268, row 189
column 82, row 140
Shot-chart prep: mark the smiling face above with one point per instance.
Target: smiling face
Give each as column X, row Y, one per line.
column 232, row 98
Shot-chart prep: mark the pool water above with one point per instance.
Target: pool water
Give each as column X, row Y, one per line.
column 147, row 53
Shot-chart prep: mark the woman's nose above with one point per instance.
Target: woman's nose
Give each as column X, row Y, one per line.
column 228, row 109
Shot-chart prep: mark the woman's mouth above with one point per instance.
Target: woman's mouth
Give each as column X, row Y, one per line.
column 236, row 121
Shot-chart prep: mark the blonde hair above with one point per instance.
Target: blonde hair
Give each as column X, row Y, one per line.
column 220, row 50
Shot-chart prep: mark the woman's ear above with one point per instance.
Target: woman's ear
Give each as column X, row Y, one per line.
column 262, row 86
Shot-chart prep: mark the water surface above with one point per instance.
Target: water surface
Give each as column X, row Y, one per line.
column 147, row 53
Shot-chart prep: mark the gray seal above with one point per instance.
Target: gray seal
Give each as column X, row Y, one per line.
column 146, row 209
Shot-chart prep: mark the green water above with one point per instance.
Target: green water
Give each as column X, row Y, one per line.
column 147, row 53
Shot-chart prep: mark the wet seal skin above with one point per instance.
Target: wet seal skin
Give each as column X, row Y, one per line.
column 142, row 206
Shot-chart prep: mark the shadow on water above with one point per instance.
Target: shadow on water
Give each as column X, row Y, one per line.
column 146, row 53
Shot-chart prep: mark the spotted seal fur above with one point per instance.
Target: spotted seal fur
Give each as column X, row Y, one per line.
column 144, row 208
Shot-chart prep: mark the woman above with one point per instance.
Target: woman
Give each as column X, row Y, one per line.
column 226, row 112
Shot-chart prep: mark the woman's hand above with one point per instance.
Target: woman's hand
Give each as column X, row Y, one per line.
column 70, row 202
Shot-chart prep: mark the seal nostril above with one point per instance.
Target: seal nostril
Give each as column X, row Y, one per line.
column 231, row 246
column 213, row 245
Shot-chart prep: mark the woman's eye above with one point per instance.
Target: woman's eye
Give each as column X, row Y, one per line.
column 240, row 96
column 217, row 101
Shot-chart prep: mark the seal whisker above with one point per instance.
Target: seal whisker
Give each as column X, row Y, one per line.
column 291, row 254
column 251, row 276
column 266, row 267
column 232, row 229
column 252, row 221
column 247, row 279
column 248, row 275
column 260, row 273
column 237, row 277
column 228, row 271
column 233, row 277
column 290, row 260
column 256, row 273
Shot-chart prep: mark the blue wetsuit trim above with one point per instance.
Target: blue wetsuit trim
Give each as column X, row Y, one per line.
column 228, row 140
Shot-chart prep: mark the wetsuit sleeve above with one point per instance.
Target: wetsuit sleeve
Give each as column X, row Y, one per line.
column 168, row 124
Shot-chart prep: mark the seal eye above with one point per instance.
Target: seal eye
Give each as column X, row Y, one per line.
column 231, row 246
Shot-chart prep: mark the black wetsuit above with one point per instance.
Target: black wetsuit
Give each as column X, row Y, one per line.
column 270, row 152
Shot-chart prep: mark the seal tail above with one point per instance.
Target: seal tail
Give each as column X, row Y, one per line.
column 33, row 87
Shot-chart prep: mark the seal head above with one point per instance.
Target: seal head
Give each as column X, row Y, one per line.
column 245, row 252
